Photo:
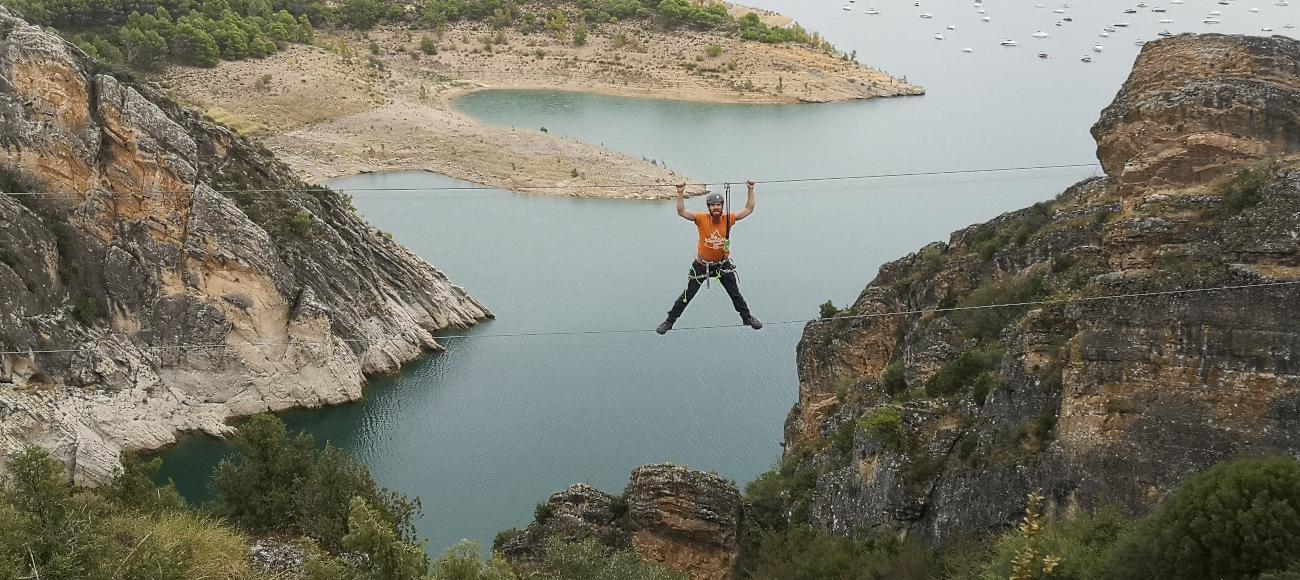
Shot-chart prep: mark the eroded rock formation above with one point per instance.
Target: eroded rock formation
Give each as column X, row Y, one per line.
column 942, row 422
column 687, row 520
column 147, row 297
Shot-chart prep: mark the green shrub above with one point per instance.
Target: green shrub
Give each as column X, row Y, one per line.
column 462, row 562
column 274, row 483
column 580, row 35
column 300, row 223
column 965, row 370
column 588, row 560
column 133, row 487
column 1235, row 520
column 805, row 553
column 86, row 311
column 885, row 426
column 893, row 380
column 428, row 45
column 986, row 324
column 542, row 512
column 984, row 384
column 1244, row 189
column 385, row 553
column 59, row 535
column 827, row 310
column 713, row 51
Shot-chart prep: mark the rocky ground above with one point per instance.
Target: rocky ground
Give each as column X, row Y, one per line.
column 336, row 109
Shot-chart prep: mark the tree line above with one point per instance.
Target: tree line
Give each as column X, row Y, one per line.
column 146, row 34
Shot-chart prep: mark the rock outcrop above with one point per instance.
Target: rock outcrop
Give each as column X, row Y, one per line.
column 176, row 275
column 942, row 422
column 1195, row 106
column 688, row 520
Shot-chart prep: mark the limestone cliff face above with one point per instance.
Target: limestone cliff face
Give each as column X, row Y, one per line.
column 144, row 300
column 687, row 520
column 942, row 422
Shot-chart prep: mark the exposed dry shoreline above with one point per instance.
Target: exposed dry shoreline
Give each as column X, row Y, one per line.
column 336, row 109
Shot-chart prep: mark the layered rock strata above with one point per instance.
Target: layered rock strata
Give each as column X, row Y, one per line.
column 175, row 275
column 941, row 423
column 687, row 520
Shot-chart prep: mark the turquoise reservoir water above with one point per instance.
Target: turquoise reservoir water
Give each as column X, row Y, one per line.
column 489, row 428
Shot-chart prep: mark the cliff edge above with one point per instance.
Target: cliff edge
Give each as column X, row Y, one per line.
column 177, row 275
column 1120, row 374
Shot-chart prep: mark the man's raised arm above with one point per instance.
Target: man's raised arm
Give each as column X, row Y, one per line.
column 681, row 202
column 749, row 203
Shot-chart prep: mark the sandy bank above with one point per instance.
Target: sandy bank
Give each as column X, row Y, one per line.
column 347, row 106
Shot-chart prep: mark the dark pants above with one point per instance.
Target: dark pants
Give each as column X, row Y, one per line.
column 726, row 272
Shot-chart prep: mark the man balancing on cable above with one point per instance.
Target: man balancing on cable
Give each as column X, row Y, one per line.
column 713, row 257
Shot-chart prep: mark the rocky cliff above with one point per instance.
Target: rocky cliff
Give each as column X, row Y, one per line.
column 941, row 421
column 180, row 275
column 687, row 520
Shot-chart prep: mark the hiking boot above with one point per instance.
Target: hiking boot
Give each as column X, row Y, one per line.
column 751, row 322
column 664, row 327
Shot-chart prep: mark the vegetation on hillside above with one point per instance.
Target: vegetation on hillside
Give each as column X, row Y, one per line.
column 145, row 34
column 1238, row 520
column 274, row 486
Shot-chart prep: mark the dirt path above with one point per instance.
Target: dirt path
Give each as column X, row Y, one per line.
column 347, row 106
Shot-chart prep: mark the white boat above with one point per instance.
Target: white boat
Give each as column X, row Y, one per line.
column 1266, row 29
column 1288, row 26
column 1175, row 1
column 968, row 50
column 871, row 11
column 952, row 27
column 1068, row 19
column 1096, row 48
column 1164, row 21
column 984, row 18
column 1131, row 11
column 926, row 15
column 1009, row 42
column 1215, row 13
column 1040, row 34
column 1109, row 29
column 1042, row 55
column 1040, row 6
column 1211, row 21
column 982, row 11
column 1281, row 3
column 1058, row 11
column 1121, row 25
column 1139, row 42
column 938, row 37
column 1086, row 58
column 1164, row 33
column 847, row 8
column 1104, row 35
column 1254, row 9
column 1159, row 10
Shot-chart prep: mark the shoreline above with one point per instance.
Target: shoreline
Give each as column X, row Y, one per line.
column 329, row 113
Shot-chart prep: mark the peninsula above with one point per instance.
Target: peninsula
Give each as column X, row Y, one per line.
column 353, row 103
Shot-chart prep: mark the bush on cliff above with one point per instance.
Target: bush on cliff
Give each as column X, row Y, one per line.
column 274, row 483
column 48, row 529
column 1236, row 520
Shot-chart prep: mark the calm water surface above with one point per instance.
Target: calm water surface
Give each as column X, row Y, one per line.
column 487, row 429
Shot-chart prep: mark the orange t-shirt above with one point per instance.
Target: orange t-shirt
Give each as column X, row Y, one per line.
column 713, row 236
